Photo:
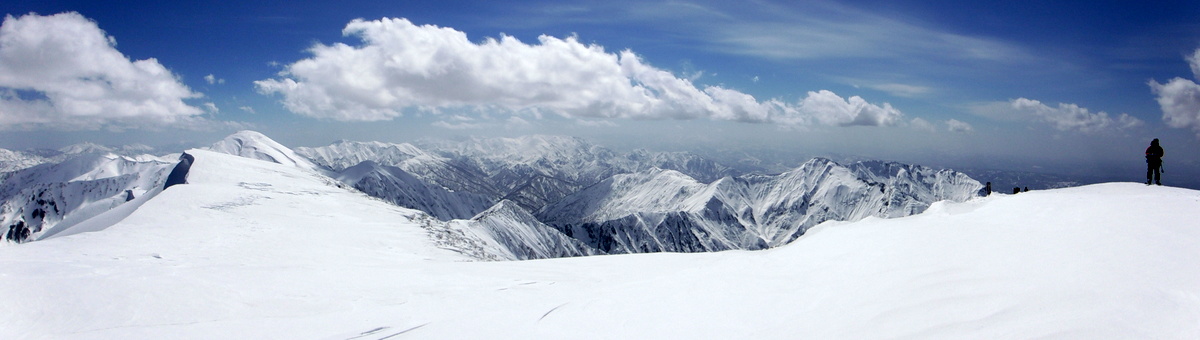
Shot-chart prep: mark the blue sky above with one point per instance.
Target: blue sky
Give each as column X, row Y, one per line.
column 1066, row 86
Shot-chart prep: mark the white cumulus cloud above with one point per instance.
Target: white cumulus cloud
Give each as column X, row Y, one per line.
column 955, row 125
column 211, row 79
column 62, row 72
column 401, row 66
column 1194, row 62
column 1068, row 117
column 1179, row 98
column 830, row 109
column 922, row 124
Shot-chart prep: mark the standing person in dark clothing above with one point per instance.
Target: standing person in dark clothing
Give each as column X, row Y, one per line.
column 1154, row 155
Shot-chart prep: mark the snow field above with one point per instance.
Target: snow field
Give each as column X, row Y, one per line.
column 251, row 249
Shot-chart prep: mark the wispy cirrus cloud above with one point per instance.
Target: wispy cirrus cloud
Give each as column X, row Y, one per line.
column 812, row 37
column 799, row 30
column 401, row 66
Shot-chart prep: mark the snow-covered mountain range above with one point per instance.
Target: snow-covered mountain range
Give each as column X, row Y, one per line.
column 640, row 201
column 530, row 171
column 539, row 196
column 408, row 176
column 664, row 210
column 46, row 199
column 12, row 160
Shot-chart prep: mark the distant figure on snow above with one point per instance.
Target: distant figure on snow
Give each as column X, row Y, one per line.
column 1026, row 189
column 987, row 190
column 1016, row 190
column 1154, row 155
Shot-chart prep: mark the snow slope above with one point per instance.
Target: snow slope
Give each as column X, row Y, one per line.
column 248, row 255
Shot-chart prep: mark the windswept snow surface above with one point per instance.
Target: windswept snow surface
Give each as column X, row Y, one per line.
column 268, row 252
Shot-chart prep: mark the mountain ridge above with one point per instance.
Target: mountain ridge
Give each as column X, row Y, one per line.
column 520, row 198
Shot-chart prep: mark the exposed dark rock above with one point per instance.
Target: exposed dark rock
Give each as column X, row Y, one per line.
column 179, row 173
column 18, row 232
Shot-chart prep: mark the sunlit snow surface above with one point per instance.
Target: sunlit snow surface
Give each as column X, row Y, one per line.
column 255, row 250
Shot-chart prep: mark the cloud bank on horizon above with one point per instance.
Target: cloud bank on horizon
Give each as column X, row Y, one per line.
column 401, row 66
column 1067, row 117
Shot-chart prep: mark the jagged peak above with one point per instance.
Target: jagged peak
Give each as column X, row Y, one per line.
column 812, row 165
column 820, row 161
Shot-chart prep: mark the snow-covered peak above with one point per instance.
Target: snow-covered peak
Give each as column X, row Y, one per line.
column 344, row 154
column 510, row 232
column 16, row 160
column 651, row 191
column 255, row 145
column 356, row 173
column 525, row 149
column 506, row 208
column 93, row 148
column 86, row 147
column 703, row 169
